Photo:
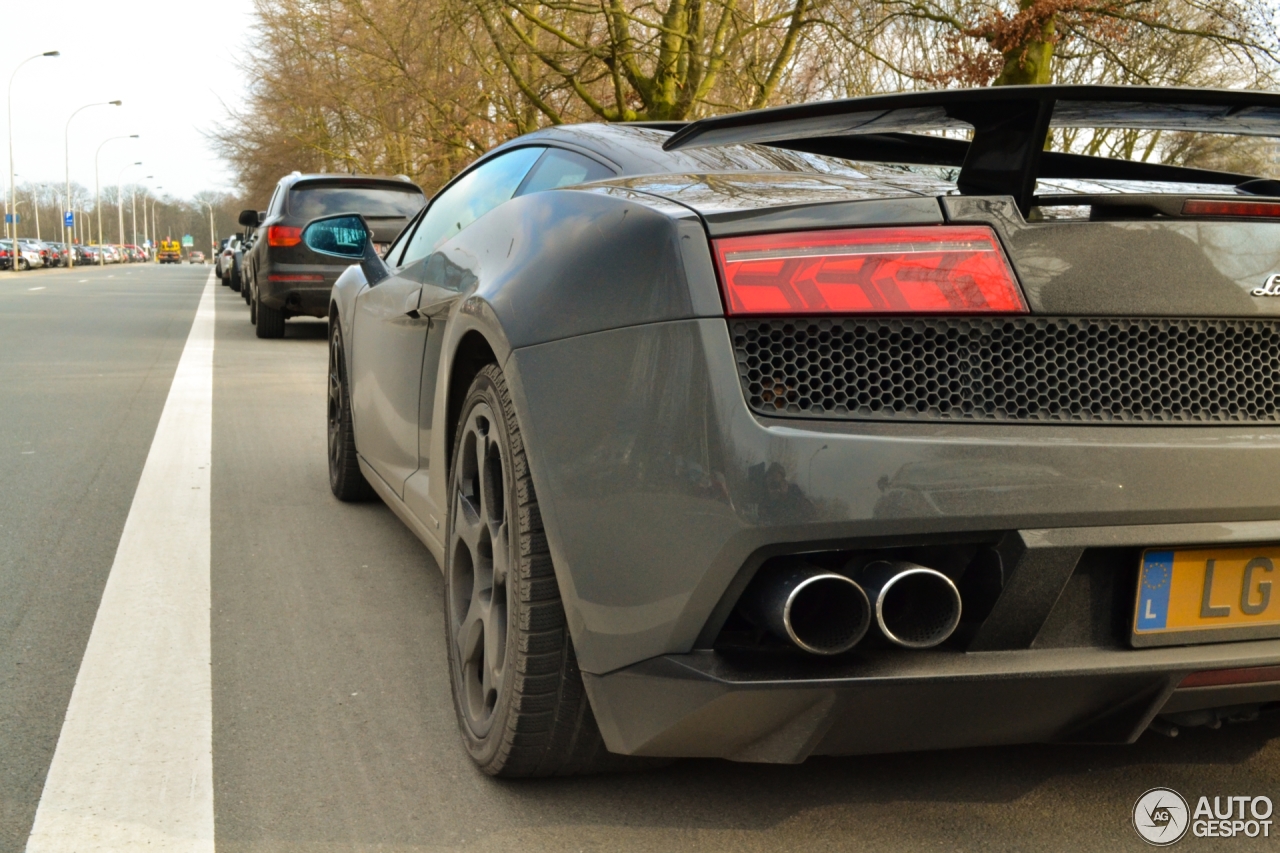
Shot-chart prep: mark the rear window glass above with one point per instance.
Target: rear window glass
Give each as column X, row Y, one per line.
column 309, row 202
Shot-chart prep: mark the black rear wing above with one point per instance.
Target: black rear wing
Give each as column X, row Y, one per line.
column 1010, row 125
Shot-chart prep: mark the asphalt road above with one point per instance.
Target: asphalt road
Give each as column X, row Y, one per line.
column 332, row 724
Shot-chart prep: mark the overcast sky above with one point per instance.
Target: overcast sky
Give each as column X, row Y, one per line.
column 172, row 62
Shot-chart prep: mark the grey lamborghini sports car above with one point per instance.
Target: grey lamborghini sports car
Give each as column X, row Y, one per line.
column 847, row 427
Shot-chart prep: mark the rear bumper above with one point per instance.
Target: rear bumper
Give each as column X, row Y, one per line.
column 293, row 288
column 702, row 704
column 662, row 494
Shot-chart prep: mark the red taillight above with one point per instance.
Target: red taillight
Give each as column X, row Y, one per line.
column 913, row 270
column 1216, row 207
column 283, row 235
column 1218, row 677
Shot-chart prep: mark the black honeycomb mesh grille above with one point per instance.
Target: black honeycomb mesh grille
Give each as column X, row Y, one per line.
column 1024, row 369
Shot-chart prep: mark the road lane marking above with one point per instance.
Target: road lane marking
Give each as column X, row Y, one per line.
column 41, row 287
column 133, row 768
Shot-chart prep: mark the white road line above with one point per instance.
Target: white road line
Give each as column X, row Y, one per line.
column 36, row 288
column 133, row 769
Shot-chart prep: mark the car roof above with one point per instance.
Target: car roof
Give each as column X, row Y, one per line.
column 636, row 149
column 337, row 177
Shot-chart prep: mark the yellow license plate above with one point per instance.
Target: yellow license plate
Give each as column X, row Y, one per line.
column 1207, row 596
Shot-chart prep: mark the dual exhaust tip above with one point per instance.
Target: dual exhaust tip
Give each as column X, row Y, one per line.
column 826, row 613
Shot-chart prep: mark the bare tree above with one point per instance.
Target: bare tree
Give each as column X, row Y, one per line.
column 422, row 87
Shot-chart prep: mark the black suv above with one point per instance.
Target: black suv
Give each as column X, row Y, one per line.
column 285, row 278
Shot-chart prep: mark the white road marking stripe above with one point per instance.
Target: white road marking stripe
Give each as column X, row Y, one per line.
column 133, row 768
column 41, row 287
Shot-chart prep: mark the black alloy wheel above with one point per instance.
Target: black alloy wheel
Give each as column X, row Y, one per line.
column 522, row 709
column 345, row 478
column 481, row 566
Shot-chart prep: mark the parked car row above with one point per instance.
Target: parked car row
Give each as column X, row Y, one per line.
column 126, row 254
column 35, row 254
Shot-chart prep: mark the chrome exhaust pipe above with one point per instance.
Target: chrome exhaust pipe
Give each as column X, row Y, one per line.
column 915, row 607
column 819, row 611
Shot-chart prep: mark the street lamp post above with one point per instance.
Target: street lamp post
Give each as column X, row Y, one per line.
column 66, row 137
column 120, row 199
column 16, row 248
column 97, row 193
column 13, row 192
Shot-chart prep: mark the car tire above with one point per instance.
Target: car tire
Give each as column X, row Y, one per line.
column 345, row 479
column 253, row 306
column 521, row 706
column 270, row 321
column 23, row 264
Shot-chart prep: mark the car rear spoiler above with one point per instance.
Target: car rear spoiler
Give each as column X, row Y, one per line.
column 1010, row 125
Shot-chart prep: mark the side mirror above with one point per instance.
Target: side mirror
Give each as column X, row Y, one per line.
column 346, row 235
column 342, row 236
column 248, row 218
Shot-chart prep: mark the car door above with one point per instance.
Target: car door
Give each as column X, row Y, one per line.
column 389, row 335
column 442, row 284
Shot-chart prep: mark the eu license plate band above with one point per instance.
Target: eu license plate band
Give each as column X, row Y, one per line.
column 1153, row 590
column 1207, row 596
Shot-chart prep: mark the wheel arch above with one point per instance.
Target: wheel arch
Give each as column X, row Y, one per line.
column 472, row 352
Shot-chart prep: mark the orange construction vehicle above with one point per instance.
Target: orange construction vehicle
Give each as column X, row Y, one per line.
column 170, row 251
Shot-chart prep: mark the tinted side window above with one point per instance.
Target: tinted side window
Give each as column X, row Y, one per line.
column 560, row 168
column 475, row 194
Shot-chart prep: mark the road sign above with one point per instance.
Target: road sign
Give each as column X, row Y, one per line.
column 69, row 219
column 188, row 241
column 12, row 218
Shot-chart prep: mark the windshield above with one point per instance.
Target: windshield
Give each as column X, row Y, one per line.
column 374, row 202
